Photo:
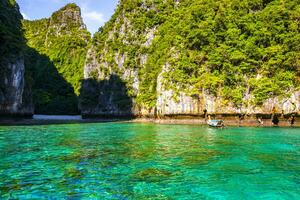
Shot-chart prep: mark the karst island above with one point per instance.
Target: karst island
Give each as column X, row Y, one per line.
column 150, row 99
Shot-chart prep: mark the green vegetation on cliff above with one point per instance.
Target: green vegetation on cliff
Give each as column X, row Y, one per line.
column 12, row 42
column 243, row 51
column 15, row 94
column 56, row 59
column 153, row 51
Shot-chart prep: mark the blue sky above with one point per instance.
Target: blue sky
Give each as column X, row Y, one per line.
column 94, row 12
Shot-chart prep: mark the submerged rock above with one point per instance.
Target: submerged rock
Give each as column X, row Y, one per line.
column 152, row 174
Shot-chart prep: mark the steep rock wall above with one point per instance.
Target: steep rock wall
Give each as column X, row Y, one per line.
column 15, row 93
column 56, row 56
column 184, row 57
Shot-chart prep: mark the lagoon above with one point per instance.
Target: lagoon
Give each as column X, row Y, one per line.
column 148, row 161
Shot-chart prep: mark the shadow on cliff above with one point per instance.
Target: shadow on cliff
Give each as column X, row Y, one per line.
column 105, row 98
column 51, row 93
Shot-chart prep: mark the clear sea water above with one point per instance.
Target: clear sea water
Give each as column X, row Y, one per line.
column 148, row 161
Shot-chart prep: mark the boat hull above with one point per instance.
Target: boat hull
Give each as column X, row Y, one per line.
column 216, row 123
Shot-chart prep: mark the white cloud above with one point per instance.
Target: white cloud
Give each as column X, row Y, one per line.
column 25, row 16
column 93, row 15
column 92, row 19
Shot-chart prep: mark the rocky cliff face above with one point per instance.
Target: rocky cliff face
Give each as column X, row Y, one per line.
column 56, row 56
column 182, row 57
column 15, row 94
column 117, row 51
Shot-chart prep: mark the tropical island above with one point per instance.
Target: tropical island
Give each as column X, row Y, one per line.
column 153, row 59
column 92, row 116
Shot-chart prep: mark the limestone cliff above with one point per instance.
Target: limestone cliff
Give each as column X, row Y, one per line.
column 15, row 94
column 182, row 57
column 56, row 56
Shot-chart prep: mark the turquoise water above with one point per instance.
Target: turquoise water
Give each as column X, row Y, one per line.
column 148, row 161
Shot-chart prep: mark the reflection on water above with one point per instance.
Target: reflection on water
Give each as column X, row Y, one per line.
column 148, row 161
